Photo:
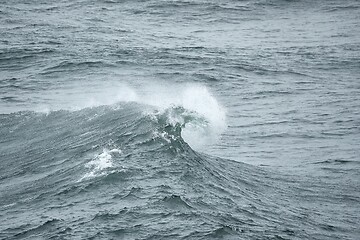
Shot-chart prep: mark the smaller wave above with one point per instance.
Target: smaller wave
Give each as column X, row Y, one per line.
column 174, row 4
column 335, row 8
column 175, row 202
column 335, row 162
column 68, row 66
column 48, row 225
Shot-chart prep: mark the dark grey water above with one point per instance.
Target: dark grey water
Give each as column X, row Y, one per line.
column 179, row 119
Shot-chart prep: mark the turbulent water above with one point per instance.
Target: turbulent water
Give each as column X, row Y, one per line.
column 154, row 119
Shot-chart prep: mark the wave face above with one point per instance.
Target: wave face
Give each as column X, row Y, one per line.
column 119, row 172
column 124, row 171
column 181, row 119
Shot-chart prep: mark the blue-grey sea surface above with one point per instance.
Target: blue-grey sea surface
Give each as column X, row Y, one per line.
column 179, row 119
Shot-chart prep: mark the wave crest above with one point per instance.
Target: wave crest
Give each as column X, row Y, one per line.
column 193, row 112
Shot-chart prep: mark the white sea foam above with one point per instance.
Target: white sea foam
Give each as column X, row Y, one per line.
column 100, row 163
column 115, row 150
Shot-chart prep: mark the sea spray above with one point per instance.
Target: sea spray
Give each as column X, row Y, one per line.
column 202, row 118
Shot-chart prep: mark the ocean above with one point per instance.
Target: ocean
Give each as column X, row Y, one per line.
column 179, row 119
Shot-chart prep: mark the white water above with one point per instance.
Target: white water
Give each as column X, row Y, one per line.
column 100, row 163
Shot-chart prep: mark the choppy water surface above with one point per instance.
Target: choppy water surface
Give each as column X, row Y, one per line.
column 179, row 119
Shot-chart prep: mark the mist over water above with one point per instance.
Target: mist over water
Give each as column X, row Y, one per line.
column 179, row 119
